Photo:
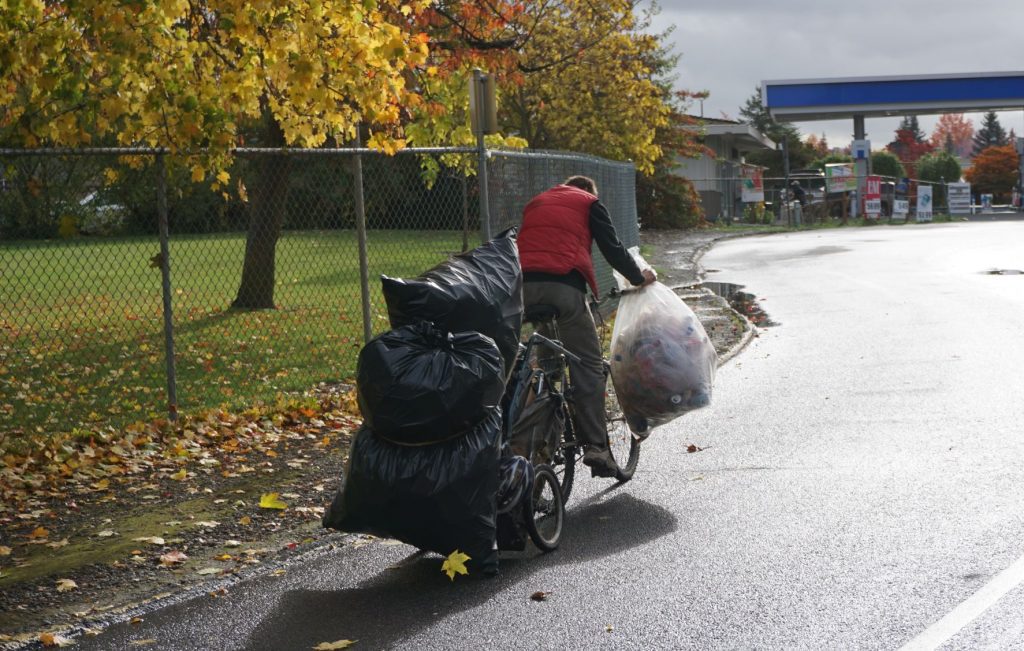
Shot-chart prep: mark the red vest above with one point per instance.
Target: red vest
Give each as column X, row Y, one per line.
column 555, row 235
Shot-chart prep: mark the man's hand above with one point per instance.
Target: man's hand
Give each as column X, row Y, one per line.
column 649, row 277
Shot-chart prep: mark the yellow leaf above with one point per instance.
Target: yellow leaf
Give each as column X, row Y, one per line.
column 5, row 550
column 332, row 646
column 223, row 176
column 39, row 532
column 271, row 501
column 455, row 564
column 66, row 585
column 198, row 173
column 180, row 475
column 245, row 521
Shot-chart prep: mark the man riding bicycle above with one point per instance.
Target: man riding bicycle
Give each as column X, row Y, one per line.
column 554, row 241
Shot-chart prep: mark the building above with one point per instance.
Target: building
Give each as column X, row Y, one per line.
column 716, row 174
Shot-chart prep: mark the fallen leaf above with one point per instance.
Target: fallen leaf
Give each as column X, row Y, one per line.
column 66, row 585
column 173, row 558
column 135, row 620
column 152, row 540
column 279, row 572
column 245, row 520
column 180, row 475
column 208, row 570
column 5, row 550
column 540, row 595
column 208, row 524
column 145, row 642
column 220, row 592
column 333, row 646
column 53, row 639
column 271, row 501
column 38, row 532
column 106, row 533
column 57, row 544
column 608, row 628
column 693, row 448
column 232, row 543
column 455, row 564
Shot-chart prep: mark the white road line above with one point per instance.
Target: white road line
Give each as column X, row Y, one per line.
column 941, row 631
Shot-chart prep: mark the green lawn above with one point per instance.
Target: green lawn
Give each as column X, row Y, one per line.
column 81, row 325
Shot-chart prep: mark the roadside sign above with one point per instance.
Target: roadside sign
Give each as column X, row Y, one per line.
column 986, row 203
column 959, row 198
column 924, row 203
column 753, row 184
column 839, row 177
column 873, row 196
column 900, row 208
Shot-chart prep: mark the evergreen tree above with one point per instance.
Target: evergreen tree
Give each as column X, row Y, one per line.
column 756, row 115
column 909, row 123
column 991, row 133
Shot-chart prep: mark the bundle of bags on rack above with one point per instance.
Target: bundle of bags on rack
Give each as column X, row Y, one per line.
column 424, row 466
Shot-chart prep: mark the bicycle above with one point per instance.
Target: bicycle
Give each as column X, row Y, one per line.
column 542, row 373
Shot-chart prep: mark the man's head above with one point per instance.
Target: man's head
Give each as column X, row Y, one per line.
column 583, row 183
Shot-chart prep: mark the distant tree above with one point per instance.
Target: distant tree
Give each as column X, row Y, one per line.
column 938, row 167
column 907, row 148
column 756, row 115
column 829, row 158
column 909, row 123
column 884, row 163
column 995, row 170
column 817, row 145
column 991, row 134
column 954, row 133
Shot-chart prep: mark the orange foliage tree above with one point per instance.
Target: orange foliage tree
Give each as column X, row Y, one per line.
column 996, row 170
column 953, row 133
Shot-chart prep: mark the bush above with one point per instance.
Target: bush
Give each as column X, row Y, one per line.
column 666, row 200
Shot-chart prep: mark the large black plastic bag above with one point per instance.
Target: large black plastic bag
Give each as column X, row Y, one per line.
column 419, row 385
column 479, row 290
column 437, row 497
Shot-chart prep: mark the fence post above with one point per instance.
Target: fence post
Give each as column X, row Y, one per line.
column 364, row 262
column 481, row 171
column 165, row 272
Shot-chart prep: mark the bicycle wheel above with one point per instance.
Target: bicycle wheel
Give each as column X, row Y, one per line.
column 544, row 511
column 625, row 447
column 564, row 461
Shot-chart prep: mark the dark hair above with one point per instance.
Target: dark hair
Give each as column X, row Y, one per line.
column 583, row 183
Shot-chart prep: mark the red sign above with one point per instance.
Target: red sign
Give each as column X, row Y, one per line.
column 873, row 196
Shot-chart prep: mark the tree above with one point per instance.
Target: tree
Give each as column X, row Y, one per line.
column 939, row 167
column 995, row 170
column 991, row 133
column 907, row 149
column 953, row 133
column 754, row 113
column 884, row 163
column 196, row 76
column 819, row 146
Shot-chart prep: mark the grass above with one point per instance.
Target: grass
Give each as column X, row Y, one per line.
column 81, row 323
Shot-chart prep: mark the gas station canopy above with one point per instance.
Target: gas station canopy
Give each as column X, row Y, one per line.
column 798, row 100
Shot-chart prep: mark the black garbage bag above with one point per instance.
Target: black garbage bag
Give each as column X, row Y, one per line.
column 436, row 497
column 479, row 290
column 418, row 385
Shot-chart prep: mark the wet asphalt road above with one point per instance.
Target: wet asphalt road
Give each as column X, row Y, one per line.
column 862, row 477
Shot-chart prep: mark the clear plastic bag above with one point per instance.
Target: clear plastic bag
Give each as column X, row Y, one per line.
column 662, row 360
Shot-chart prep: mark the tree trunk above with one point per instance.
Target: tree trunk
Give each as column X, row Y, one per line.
column 268, row 203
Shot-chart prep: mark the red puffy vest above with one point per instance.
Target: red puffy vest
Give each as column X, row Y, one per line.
column 555, row 235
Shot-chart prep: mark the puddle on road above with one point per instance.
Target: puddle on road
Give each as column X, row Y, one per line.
column 743, row 302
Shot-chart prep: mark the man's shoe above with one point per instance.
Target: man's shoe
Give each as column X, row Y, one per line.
column 601, row 462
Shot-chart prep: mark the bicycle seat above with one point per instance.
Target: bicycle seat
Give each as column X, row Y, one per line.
column 540, row 313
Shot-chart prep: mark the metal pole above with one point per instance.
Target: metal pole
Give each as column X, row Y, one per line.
column 785, row 187
column 165, row 272
column 364, row 260
column 860, row 167
column 481, row 174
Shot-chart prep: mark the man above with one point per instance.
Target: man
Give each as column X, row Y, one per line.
column 554, row 251
column 798, row 193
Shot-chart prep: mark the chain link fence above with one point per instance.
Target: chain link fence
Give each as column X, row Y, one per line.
column 92, row 296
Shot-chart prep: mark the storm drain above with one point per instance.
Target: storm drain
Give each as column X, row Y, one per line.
column 743, row 302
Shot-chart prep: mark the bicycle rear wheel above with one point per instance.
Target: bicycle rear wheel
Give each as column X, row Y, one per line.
column 544, row 510
column 624, row 446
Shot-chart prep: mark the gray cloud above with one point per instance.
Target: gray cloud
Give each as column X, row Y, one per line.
column 729, row 47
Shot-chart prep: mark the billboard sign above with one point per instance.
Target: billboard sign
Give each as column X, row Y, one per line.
column 873, row 196
column 839, row 177
column 753, row 184
column 924, row 203
column 958, row 196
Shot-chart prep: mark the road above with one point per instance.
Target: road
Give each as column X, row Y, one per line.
column 860, row 487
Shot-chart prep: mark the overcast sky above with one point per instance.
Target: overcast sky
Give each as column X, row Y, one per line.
column 729, row 47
